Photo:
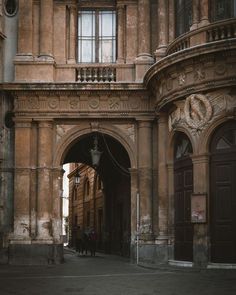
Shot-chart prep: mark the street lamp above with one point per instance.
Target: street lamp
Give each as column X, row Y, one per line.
column 95, row 153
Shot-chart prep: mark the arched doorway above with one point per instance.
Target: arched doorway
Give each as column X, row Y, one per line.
column 112, row 219
column 223, row 194
column 183, row 187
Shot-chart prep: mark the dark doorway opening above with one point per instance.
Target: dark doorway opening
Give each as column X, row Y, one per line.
column 223, row 194
column 108, row 210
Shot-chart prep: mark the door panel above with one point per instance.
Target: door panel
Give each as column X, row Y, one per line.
column 183, row 227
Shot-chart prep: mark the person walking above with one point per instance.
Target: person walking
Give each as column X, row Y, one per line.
column 78, row 240
column 92, row 242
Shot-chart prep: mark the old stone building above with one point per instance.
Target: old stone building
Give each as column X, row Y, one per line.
column 154, row 81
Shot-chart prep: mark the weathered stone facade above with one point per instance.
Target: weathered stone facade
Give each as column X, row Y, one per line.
column 161, row 87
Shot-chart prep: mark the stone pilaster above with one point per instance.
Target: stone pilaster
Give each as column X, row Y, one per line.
column 25, row 32
column 171, row 13
column 72, row 35
column 145, row 178
column 121, row 33
column 22, row 181
column 134, row 204
column 44, row 201
column 162, row 177
column 144, row 59
column 204, row 13
column 162, row 15
column 57, row 177
column 46, row 29
column 201, row 186
column 196, row 15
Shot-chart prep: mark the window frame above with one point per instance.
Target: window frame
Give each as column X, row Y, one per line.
column 97, row 36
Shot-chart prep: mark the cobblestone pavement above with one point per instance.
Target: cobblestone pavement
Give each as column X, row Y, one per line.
column 111, row 275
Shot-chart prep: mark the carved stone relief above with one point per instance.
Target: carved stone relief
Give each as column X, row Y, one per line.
column 128, row 129
column 61, row 130
column 83, row 103
column 198, row 111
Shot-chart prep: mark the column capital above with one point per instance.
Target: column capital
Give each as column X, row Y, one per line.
column 203, row 158
column 22, row 122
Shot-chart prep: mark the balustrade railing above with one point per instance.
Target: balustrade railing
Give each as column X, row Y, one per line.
column 214, row 32
column 91, row 73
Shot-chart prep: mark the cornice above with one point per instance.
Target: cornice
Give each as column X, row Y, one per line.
column 87, row 87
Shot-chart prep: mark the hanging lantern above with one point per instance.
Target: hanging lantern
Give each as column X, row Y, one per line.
column 95, row 153
column 77, row 178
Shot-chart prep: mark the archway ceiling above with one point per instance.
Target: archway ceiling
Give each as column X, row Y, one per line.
column 112, row 151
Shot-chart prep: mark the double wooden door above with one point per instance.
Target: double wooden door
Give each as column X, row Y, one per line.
column 223, row 195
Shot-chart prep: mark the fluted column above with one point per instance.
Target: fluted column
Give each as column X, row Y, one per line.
column 25, row 32
column 44, row 208
column 72, row 35
column 162, row 17
column 145, row 177
column 22, row 179
column 162, row 176
column 120, row 37
column 46, row 29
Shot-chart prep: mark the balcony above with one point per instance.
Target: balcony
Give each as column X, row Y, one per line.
column 222, row 30
column 96, row 73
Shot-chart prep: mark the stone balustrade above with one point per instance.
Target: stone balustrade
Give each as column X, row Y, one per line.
column 96, row 73
column 214, row 32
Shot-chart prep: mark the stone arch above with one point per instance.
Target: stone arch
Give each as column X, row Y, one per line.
column 206, row 137
column 69, row 138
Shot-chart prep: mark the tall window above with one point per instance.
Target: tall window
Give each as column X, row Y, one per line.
column 96, row 36
column 223, row 9
column 183, row 13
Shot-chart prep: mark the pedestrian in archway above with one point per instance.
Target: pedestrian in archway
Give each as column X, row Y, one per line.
column 92, row 242
column 78, row 240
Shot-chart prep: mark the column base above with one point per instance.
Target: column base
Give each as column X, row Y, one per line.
column 142, row 63
column 160, row 52
column 35, row 254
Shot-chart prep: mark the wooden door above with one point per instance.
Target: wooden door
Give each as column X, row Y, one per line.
column 183, row 184
column 223, row 195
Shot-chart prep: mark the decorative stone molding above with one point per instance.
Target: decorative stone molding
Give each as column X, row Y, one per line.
column 198, row 111
column 82, row 103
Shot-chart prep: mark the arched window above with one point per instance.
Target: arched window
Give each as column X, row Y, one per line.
column 223, row 9
column 86, row 189
column 183, row 146
column 183, row 16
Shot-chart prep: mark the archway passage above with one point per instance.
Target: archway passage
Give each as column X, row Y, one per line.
column 223, row 194
column 112, row 218
column 183, row 187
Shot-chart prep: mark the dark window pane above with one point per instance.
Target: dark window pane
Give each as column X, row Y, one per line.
column 183, row 12
column 223, row 9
